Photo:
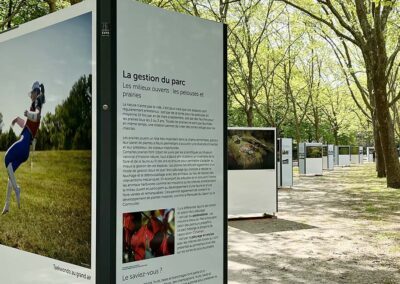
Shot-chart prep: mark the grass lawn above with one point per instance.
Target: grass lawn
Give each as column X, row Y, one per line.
column 55, row 215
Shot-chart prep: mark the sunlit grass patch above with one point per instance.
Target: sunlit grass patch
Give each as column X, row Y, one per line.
column 55, row 215
column 373, row 200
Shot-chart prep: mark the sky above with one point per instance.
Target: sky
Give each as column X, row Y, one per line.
column 56, row 56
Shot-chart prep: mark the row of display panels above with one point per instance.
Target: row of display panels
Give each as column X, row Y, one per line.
column 318, row 150
column 367, row 151
column 346, row 155
column 160, row 211
column 315, row 157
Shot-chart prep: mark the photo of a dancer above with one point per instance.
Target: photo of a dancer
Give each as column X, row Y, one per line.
column 18, row 153
column 148, row 234
column 46, row 172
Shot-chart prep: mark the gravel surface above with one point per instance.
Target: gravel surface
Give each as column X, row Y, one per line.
column 343, row 227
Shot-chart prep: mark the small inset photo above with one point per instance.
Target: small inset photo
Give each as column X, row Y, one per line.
column 148, row 234
column 251, row 149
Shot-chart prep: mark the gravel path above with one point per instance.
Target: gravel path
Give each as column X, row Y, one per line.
column 343, row 227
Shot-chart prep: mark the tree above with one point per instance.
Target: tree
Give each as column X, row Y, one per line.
column 365, row 26
column 17, row 12
column 70, row 127
column 1, row 123
column 75, row 115
column 246, row 38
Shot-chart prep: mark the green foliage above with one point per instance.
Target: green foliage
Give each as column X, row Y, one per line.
column 344, row 150
column 314, row 152
column 282, row 72
column 70, row 127
column 22, row 11
column 354, row 150
column 7, row 139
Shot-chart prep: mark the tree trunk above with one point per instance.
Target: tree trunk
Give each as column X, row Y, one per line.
column 250, row 117
column 379, row 162
column 316, row 125
column 10, row 4
column 386, row 132
column 52, row 5
column 336, row 136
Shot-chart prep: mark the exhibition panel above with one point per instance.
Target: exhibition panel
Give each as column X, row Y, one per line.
column 252, row 176
column 343, row 155
column 285, row 162
column 328, row 157
column 48, row 79
column 310, row 158
column 356, row 154
column 370, row 154
column 171, row 147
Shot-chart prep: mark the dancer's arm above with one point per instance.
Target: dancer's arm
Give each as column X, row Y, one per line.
column 19, row 121
column 33, row 115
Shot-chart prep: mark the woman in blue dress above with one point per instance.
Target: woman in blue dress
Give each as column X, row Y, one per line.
column 18, row 153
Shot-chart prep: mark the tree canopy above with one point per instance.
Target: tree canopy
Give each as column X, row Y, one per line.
column 318, row 70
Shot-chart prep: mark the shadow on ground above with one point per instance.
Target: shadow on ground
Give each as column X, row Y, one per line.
column 267, row 225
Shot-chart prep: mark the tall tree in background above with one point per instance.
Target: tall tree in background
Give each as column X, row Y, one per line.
column 70, row 127
column 245, row 42
column 75, row 115
column 364, row 25
column 7, row 139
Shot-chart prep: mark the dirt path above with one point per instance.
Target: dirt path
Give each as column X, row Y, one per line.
column 343, row 227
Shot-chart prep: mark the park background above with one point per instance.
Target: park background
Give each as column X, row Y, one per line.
column 320, row 71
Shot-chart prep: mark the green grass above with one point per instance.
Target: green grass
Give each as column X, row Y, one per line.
column 392, row 236
column 370, row 199
column 55, row 215
column 368, row 195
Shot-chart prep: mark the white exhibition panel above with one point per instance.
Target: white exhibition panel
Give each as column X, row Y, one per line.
column 302, row 158
column 344, row 160
column 68, row 28
column 286, row 162
column 251, row 193
column 170, row 129
column 325, row 158
column 344, row 156
column 331, row 157
column 354, row 158
column 310, row 165
column 278, row 173
column 314, row 166
column 361, row 154
column 324, row 162
column 370, row 154
column 336, row 155
column 278, row 162
column 371, row 158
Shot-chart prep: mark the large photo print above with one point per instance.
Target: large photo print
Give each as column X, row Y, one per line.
column 251, row 149
column 46, row 141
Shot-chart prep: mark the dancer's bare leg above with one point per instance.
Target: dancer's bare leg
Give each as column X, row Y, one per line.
column 13, row 181
column 8, row 196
